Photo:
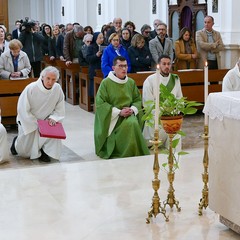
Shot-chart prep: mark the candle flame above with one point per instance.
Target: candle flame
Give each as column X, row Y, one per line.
column 206, row 64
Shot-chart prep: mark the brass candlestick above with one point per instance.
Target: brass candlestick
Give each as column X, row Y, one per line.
column 204, row 200
column 156, row 204
column 171, row 200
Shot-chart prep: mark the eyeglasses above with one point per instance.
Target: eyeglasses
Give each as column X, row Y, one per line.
column 161, row 29
column 122, row 66
column 147, row 32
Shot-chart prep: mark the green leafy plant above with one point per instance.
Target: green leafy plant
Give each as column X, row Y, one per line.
column 170, row 105
column 176, row 155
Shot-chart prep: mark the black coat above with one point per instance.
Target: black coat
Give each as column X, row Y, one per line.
column 32, row 45
column 140, row 58
column 93, row 60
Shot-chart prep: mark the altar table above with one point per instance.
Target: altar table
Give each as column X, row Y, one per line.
column 223, row 109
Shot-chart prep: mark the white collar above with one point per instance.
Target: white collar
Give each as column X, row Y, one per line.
column 114, row 78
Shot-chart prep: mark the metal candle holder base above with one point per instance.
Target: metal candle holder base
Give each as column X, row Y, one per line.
column 171, row 200
column 204, row 200
column 156, row 207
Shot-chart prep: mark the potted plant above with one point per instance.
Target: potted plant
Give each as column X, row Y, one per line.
column 171, row 108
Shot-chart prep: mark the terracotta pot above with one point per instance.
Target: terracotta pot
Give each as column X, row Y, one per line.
column 171, row 124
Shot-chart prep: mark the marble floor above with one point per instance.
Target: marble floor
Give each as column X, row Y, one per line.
column 89, row 198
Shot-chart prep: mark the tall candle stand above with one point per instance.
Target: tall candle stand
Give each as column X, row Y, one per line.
column 156, row 207
column 171, row 200
column 204, row 200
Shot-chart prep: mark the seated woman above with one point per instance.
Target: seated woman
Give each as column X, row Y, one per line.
column 139, row 54
column 113, row 50
column 4, row 153
column 14, row 63
column 185, row 51
column 94, row 54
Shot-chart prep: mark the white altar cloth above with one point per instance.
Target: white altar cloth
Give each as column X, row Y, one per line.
column 224, row 154
column 223, row 104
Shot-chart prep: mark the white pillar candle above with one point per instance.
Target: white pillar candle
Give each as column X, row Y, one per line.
column 205, row 90
column 157, row 98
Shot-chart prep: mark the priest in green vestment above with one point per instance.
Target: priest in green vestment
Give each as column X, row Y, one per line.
column 117, row 127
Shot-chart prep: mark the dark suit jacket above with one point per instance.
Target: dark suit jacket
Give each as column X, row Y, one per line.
column 15, row 34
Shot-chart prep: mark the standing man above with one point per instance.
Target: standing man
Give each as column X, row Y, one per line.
column 170, row 80
column 153, row 33
column 16, row 32
column 161, row 44
column 43, row 99
column 116, row 28
column 117, row 128
column 73, row 42
column 209, row 44
column 32, row 41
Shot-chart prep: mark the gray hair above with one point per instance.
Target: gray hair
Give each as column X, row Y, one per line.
column 50, row 69
column 87, row 37
column 78, row 28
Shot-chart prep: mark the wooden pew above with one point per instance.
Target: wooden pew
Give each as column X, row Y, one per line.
column 68, row 77
column 72, row 72
column 192, row 82
column 47, row 62
column 84, row 85
column 61, row 66
column 84, row 98
column 10, row 91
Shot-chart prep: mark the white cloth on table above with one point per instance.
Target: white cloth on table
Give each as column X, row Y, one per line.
column 223, row 104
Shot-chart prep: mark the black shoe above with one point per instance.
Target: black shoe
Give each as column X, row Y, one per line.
column 44, row 157
column 13, row 149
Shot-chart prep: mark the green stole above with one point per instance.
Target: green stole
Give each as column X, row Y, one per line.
column 171, row 83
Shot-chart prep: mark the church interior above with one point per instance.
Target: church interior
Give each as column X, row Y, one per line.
column 84, row 197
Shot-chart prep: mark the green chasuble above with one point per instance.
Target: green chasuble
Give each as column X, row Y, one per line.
column 126, row 139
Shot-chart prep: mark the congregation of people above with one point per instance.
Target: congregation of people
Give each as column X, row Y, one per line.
column 116, row 50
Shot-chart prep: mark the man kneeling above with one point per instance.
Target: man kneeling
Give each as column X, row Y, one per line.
column 43, row 99
column 117, row 129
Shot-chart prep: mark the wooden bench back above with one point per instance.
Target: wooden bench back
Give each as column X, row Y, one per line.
column 192, row 82
column 10, row 91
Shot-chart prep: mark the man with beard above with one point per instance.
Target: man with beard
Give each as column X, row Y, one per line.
column 173, row 84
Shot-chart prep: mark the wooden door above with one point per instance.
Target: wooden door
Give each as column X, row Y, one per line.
column 4, row 13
